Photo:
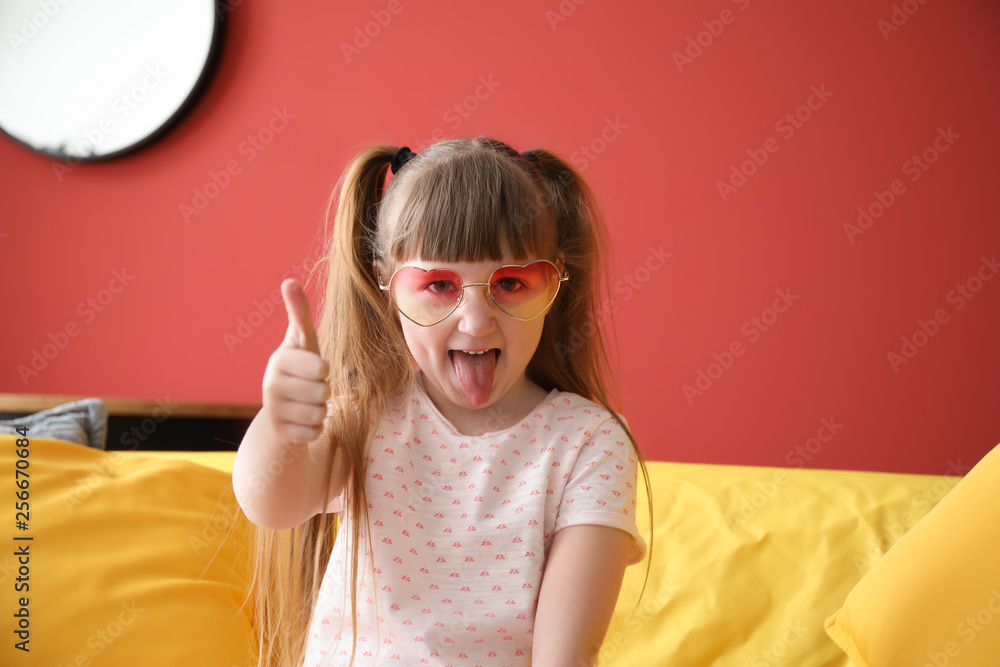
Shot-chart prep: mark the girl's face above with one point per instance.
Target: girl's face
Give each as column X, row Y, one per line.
column 466, row 386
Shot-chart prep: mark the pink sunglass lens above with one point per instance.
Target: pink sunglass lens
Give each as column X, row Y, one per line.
column 426, row 296
column 524, row 291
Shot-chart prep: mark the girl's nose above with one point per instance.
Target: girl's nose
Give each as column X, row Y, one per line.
column 477, row 313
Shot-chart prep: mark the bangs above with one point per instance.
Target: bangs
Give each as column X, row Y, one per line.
column 463, row 202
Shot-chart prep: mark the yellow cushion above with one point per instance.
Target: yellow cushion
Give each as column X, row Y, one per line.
column 133, row 561
column 934, row 598
column 748, row 562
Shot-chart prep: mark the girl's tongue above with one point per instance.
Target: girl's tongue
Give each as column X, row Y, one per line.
column 475, row 373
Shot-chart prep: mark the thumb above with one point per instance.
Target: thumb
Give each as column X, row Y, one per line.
column 301, row 333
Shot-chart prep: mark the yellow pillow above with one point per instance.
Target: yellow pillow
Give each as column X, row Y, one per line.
column 131, row 561
column 933, row 600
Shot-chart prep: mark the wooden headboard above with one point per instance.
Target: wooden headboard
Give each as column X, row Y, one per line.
column 162, row 424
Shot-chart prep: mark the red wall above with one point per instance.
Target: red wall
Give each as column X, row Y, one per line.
column 661, row 137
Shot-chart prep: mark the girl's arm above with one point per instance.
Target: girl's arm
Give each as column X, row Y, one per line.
column 580, row 586
column 278, row 482
column 280, row 468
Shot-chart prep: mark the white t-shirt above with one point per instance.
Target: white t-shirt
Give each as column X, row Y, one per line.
column 460, row 528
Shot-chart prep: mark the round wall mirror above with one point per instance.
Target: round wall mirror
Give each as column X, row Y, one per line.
column 94, row 80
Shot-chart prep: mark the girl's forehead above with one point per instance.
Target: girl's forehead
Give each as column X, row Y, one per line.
column 461, row 266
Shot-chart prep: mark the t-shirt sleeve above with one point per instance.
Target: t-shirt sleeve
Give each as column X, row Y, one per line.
column 336, row 504
column 601, row 489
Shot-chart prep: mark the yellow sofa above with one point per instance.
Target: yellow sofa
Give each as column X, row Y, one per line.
column 138, row 558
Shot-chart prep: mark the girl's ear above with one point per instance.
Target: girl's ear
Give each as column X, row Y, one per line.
column 378, row 278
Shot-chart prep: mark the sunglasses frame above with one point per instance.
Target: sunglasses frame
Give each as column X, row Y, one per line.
column 563, row 277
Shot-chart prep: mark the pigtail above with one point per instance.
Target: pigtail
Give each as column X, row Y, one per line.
column 578, row 358
column 369, row 362
column 357, row 331
column 581, row 361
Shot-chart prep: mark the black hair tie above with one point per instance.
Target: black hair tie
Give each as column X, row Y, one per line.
column 531, row 157
column 402, row 156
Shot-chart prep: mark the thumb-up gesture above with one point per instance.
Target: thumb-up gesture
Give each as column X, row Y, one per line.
column 295, row 391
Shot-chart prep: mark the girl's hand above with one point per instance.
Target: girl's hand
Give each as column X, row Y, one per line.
column 295, row 392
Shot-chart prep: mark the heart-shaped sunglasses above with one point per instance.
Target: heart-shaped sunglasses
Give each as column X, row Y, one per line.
column 428, row 296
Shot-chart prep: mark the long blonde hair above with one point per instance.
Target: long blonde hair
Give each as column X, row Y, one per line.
column 457, row 200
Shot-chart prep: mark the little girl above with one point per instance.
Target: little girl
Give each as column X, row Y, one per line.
column 458, row 486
